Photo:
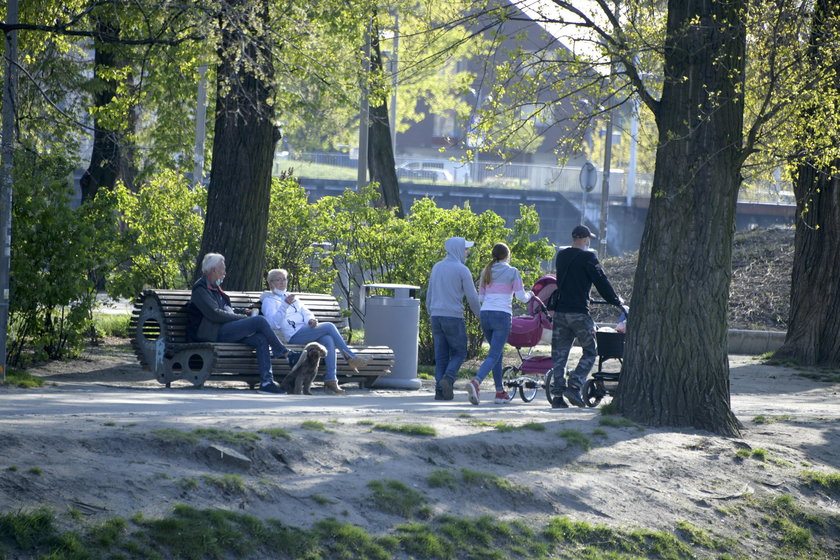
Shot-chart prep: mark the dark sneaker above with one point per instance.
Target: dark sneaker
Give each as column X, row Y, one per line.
column 438, row 395
column 573, row 395
column 271, row 389
column 446, row 389
column 558, row 402
column 473, row 392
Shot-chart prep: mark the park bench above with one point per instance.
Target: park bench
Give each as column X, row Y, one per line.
column 159, row 338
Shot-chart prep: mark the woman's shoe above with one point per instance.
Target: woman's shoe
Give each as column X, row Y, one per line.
column 332, row 387
column 357, row 362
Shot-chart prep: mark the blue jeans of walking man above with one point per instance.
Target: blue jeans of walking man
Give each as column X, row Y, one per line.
column 450, row 339
column 255, row 332
column 567, row 327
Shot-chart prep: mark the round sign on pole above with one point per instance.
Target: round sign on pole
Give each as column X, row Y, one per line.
column 588, row 177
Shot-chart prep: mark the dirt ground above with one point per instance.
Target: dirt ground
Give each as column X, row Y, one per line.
column 97, row 440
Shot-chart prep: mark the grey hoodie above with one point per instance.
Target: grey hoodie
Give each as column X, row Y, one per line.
column 449, row 282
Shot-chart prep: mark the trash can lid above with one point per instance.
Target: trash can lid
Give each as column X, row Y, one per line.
column 400, row 290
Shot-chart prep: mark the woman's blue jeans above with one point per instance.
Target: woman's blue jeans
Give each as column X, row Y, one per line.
column 255, row 332
column 328, row 335
column 496, row 328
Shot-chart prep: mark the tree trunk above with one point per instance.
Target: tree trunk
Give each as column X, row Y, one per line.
column 812, row 337
column 676, row 370
column 243, row 147
column 105, row 158
column 380, row 149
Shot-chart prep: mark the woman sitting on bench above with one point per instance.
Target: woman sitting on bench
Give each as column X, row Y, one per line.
column 212, row 319
column 297, row 325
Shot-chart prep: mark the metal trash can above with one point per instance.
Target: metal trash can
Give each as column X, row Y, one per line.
column 394, row 321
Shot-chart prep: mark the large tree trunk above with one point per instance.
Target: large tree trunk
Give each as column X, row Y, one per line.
column 108, row 161
column 676, row 371
column 380, row 148
column 812, row 336
column 243, row 148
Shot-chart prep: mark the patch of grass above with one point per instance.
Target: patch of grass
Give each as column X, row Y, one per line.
column 534, row 426
column 823, row 376
column 758, row 454
column 171, row 435
column 608, row 409
column 110, row 324
column 464, row 415
column 599, row 432
column 320, row 500
column 35, row 470
column 613, row 543
column 698, row 537
column 226, row 436
column 230, row 483
column 443, row 479
column 407, row 429
column 761, row 419
column 276, row 433
column 396, row 497
column 576, row 438
column 20, row 378
column 188, row 483
column 12, row 468
column 109, row 424
column 829, row 481
column 313, row 425
column 488, row 480
column 617, row 422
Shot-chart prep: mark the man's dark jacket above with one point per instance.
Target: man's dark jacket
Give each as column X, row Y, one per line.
column 577, row 270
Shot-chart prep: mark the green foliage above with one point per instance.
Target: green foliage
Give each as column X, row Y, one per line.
column 52, row 294
column 19, row 378
column 443, row 479
column 160, row 234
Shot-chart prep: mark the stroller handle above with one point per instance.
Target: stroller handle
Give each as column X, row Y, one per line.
column 624, row 309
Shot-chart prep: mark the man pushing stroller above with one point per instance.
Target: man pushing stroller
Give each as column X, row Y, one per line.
column 577, row 270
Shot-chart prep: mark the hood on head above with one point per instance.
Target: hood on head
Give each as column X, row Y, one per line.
column 456, row 246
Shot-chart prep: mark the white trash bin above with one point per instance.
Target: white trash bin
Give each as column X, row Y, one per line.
column 394, row 321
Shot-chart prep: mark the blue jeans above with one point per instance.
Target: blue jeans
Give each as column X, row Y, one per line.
column 255, row 332
column 450, row 338
column 566, row 327
column 496, row 327
column 328, row 335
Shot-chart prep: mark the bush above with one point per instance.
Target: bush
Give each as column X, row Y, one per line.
column 52, row 293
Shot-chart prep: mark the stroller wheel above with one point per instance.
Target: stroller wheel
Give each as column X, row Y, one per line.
column 593, row 391
column 551, row 379
column 528, row 387
column 510, row 381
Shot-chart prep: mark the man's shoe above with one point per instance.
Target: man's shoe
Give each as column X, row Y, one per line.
column 473, row 392
column 502, row 397
column 558, row 402
column 271, row 389
column 438, row 395
column 574, row 397
column 446, row 389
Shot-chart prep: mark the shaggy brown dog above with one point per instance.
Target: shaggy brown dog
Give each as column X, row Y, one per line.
column 300, row 378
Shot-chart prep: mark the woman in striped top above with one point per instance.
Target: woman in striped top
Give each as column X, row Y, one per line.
column 499, row 283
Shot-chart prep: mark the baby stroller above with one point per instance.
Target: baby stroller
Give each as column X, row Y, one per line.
column 610, row 347
column 527, row 331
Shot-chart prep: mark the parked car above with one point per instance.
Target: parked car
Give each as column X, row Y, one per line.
column 430, row 170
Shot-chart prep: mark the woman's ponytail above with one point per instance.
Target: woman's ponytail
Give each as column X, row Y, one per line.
column 501, row 252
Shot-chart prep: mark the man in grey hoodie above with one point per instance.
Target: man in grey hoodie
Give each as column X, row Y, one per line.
column 449, row 282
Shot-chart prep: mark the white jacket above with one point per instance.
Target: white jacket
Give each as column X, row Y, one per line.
column 286, row 318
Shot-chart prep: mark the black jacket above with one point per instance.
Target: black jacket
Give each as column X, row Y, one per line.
column 578, row 270
column 206, row 312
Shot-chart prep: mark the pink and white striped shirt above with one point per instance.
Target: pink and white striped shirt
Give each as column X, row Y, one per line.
column 498, row 294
